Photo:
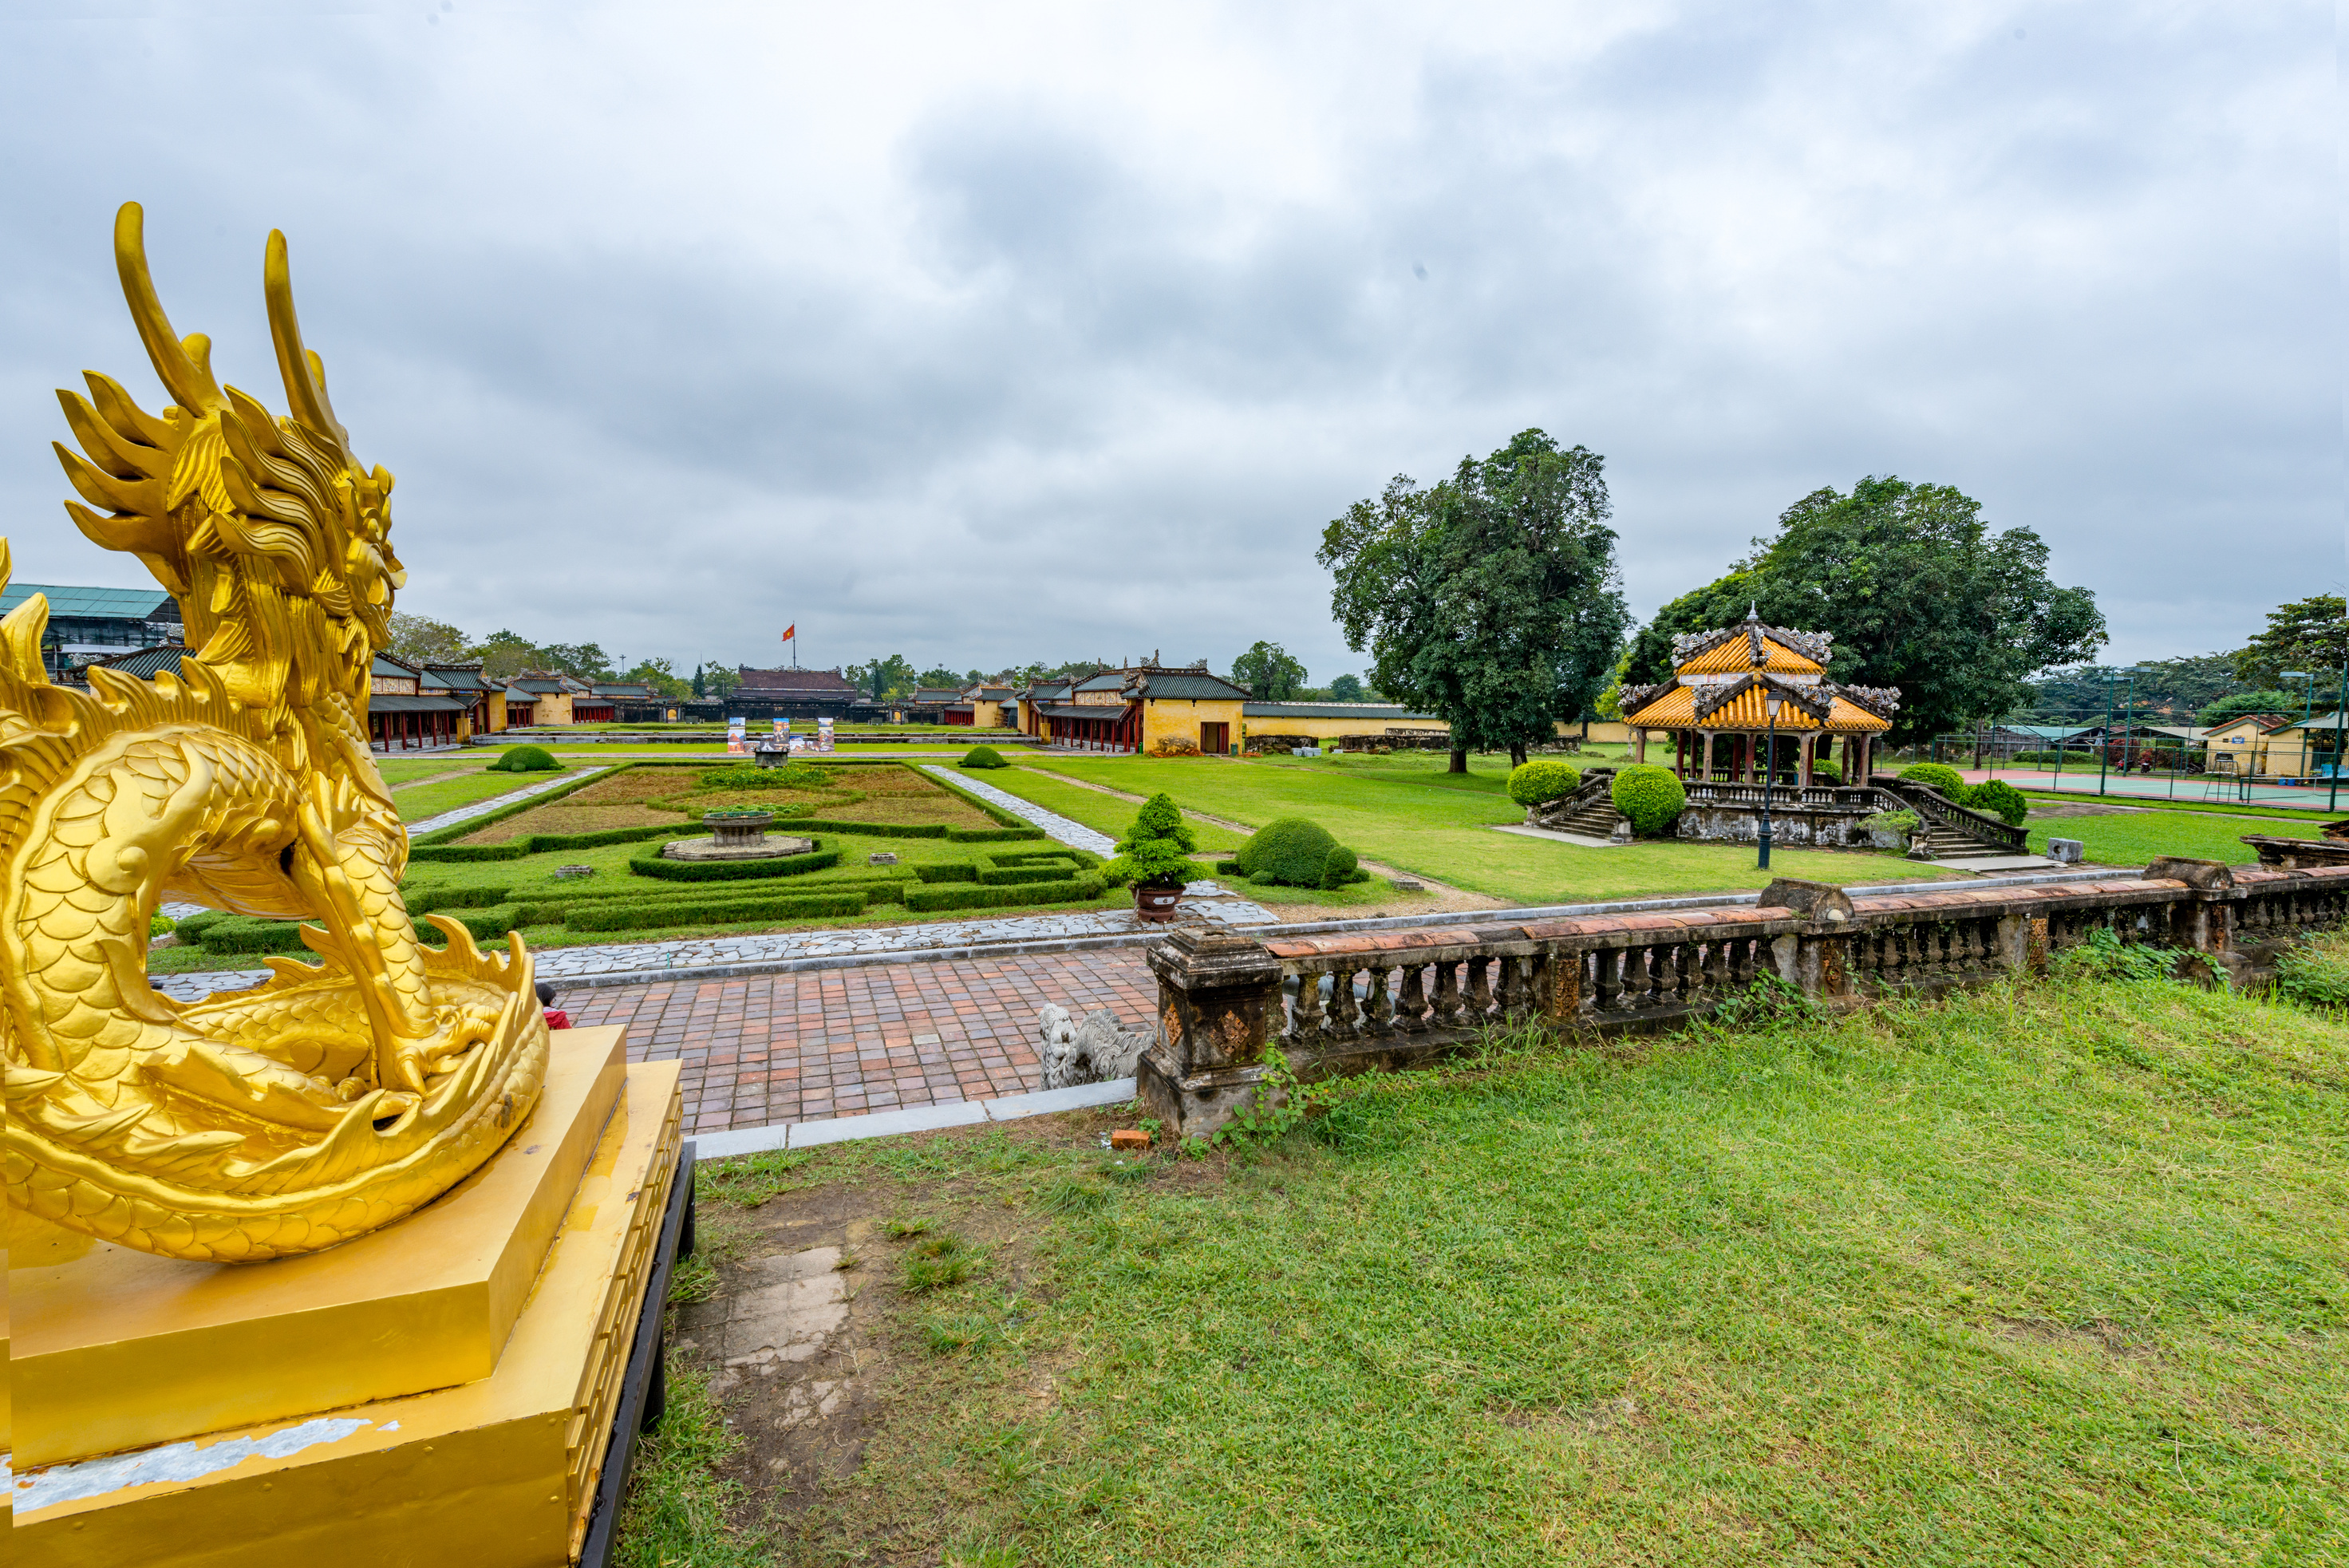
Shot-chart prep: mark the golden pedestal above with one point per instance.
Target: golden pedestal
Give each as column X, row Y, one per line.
column 437, row 1392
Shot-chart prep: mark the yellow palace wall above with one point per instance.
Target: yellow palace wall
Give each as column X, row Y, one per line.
column 1179, row 718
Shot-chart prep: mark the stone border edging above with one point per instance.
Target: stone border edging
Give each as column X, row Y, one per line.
column 916, row 1118
column 462, row 814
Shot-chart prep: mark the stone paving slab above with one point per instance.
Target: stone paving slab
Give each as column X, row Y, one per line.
column 892, row 1124
column 483, row 807
column 837, row 1044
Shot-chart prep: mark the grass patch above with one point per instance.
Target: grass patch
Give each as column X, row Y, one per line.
column 2048, row 1273
column 676, row 1510
column 2135, row 838
column 1101, row 812
column 427, row 800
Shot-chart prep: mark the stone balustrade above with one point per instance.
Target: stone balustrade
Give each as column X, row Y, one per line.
column 1391, row 999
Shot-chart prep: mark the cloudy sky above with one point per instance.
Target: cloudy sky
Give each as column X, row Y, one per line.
column 991, row 333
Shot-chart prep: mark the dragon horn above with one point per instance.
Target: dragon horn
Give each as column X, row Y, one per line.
column 305, row 373
column 184, row 365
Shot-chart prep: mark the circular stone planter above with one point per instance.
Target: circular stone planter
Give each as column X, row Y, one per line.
column 736, row 835
column 1156, row 905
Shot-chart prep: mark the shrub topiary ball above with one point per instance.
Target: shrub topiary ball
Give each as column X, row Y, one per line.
column 1340, row 869
column 2001, row 799
column 1289, row 850
column 526, row 760
column 983, row 757
column 1941, row 778
column 1536, row 784
column 1650, row 796
column 1824, row 771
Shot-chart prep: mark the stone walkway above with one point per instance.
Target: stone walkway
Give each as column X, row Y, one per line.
column 483, row 807
column 841, row 1043
column 1074, row 834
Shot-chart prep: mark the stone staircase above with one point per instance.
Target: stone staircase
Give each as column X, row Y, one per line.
column 1588, row 811
column 1941, row 842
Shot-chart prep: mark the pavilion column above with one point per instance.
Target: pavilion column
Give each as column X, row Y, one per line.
column 1640, row 745
column 1704, row 739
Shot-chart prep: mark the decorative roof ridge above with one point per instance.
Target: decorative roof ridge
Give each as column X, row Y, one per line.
column 1712, row 699
column 1632, row 699
column 1817, row 646
column 1881, row 700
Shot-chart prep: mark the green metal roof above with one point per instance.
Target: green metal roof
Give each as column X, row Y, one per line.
column 121, row 604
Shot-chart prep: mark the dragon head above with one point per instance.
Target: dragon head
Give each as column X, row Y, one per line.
column 273, row 537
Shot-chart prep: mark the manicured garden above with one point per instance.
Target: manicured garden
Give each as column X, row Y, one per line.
column 2135, row 838
column 2052, row 1272
column 583, row 863
column 1404, row 810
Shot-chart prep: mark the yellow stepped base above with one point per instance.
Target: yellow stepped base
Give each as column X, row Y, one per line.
column 495, row 1472
column 120, row 1349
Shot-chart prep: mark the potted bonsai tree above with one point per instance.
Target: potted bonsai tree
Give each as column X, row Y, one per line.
column 1155, row 856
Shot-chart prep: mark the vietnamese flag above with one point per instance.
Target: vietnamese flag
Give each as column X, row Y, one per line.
column 790, row 629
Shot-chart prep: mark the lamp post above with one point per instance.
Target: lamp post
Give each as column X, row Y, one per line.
column 1769, row 773
column 2104, row 741
column 2333, row 795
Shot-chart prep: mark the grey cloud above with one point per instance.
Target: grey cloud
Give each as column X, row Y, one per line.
column 1066, row 387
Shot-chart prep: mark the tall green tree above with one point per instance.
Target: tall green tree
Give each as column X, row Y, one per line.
column 419, row 639
column 2291, row 704
column 1269, row 672
column 1346, row 689
column 2308, row 634
column 580, row 661
column 938, row 675
column 503, row 655
column 701, row 683
column 720, row 680
column 1490, row 599
column 1918, row 592
column 660, row 674
column 882, row 677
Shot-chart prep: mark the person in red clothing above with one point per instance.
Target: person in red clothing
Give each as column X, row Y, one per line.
column 556, row 1017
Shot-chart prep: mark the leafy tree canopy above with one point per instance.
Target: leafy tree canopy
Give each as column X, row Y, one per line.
column 2174, row 688
column 581, row 660
column 882, row 677
column 1346, row 689
column 1490, row 599
column 939, row 675
column 418, row 639
column 2308, row 634
column 720, row 680
column 1919, row 595
column 1269, row 672
column 505, row 654
column 660, row 674
column 2292, row 704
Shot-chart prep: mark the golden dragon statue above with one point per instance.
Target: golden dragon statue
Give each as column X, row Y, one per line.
column 338, row 1096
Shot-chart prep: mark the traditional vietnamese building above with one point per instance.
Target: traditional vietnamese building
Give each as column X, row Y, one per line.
column 402, row 716
column 1744, row 696
column 1145, row 708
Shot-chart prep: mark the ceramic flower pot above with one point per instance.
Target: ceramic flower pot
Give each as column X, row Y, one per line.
column 1156, row 904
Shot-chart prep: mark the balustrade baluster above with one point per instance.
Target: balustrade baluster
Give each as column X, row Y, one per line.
column 1411, row 1014
column 1639, row 980
column 1378, row 1018
column 1305, row 1012
column 1715, row 978
column 1517, row 990
column 1343, row 1010
column 1670, row 981
column 1742, row 954
column 1480, row 992
column 1607, row 986
column 1447, row 995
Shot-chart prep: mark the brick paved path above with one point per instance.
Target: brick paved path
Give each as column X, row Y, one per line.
column 841, row 1043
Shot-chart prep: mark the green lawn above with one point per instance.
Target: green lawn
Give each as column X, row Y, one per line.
column 419, row 801
column 2132, row 838
column 1405, row 811
column 2048, row 1274
column 1101, row 812
column 401, row 771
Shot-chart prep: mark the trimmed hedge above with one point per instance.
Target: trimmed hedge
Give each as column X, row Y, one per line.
column 1288, row 849
column 541, row 843
column 1539, row 783
column 2000, row 799
column 730, row 870
column 242, row 933
column 1651, row 796
column 1085, row 858
column 960, row 895
column 1342, row 868
column 982, row 757
column 621, row 917
column 1940, row 777
column 992, row 835
column 948, row 871
column 1014, row 876
column 524, row 760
